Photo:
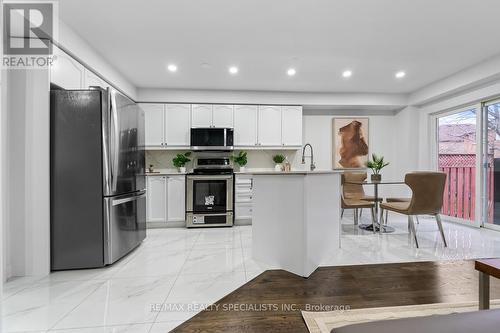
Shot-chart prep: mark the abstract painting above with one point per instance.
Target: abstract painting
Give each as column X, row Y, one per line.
column 350, row 142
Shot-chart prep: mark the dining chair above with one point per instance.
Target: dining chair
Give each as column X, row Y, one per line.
column 384, row 220
column 354, row 197
column 427, row 199
column 355, row 191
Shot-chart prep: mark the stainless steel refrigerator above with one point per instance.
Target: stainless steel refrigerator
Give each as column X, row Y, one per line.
column 98, row 196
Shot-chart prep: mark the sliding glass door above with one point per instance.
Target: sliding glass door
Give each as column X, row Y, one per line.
column 491, row 165
column 457, row 157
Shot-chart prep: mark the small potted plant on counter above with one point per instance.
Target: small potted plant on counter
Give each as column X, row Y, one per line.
column 241, row 159
column 278, row 159
column 376, row 164
column 180, row 161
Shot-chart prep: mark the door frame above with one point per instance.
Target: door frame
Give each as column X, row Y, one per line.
column 484, row 165
column 434, row 122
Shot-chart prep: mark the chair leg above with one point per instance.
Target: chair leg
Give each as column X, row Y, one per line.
column 373, row 219
column 409, row 229
column 342, row 213
column 360, row 212
column 440, row 225
column 381, row 219
column 386, row 217
column 356, row 216
column 416, row 217
column 413, row 231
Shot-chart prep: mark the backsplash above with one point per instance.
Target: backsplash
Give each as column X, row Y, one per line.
column 162, row 159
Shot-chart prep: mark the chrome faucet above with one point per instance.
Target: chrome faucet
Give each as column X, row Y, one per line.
column 312, row 156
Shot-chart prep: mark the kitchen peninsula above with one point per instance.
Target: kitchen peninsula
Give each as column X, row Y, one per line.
column 296, row 218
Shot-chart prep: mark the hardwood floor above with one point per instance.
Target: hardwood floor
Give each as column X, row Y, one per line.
column 354, row 286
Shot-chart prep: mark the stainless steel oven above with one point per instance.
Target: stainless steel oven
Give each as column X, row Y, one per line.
column 209, row 193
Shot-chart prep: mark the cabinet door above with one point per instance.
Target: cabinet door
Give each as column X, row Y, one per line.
column 157, row 199
column 201, row 115
column 176, row 198
column 92, row 80
column 66, row 72
column 222, row 116
column 291, row 125
column 269, row 133
column 154, row 126
column 177, row 125
column 245, row 125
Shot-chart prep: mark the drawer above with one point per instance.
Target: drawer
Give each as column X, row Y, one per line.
column 243, row 186
column 243, row 198
column 243, row 211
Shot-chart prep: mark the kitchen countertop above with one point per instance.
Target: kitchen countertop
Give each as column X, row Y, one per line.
column 166, row 172
column 293, row 172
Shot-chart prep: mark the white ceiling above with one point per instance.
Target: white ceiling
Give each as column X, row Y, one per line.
column 429, row 39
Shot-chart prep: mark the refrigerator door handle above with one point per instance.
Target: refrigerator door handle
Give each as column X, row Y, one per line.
column 115, row 141
column 116, row 202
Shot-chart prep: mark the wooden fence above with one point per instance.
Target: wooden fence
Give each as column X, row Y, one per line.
column 459, row 194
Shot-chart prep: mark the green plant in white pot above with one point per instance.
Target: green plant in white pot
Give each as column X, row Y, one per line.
column 376, row 164
column 278, row 160
column 180, row 161
column 241, row 159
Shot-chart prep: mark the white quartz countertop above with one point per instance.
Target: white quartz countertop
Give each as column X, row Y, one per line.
column 166, row 172
column 283, row 173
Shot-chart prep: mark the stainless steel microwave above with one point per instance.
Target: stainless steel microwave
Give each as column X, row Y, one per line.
column 212, row 138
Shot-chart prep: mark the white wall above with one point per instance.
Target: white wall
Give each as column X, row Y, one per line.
column 27, row 176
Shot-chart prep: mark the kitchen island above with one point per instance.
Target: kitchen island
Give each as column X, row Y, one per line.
column 296, row 218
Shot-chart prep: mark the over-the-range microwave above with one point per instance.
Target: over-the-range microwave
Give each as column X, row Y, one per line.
column 212, row 138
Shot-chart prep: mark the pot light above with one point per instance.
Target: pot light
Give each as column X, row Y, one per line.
column 172, row 68
column 347, row 74
column 400, row 74
column 291, row 72
column 233, row 70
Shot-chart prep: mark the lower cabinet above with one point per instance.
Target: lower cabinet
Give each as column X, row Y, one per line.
column 243, row 199
column 165, row 200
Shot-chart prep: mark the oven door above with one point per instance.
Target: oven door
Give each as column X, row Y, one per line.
column 209, row 194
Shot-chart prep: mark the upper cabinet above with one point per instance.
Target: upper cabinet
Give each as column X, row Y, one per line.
column 291, row 125
column 154, row 120
column 177, row 125
column 201, row 115
column 66, row 72
column 245, row 125
column 167, row 125
column 269, row 126
column 207, row 115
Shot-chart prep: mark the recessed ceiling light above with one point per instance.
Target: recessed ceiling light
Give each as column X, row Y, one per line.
column 400, row 74
column 233, row 70
column 347, row 73
column 172, row 68
column 291, row 72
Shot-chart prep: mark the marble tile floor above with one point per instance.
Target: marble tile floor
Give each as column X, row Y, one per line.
column 176, row 272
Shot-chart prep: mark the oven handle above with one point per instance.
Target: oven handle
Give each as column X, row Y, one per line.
column 210, row 177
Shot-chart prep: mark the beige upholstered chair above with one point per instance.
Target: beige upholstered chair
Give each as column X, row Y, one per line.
column 354, row 197
column 427, row 199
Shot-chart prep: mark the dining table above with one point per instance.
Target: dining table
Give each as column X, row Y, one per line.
column 379, row 227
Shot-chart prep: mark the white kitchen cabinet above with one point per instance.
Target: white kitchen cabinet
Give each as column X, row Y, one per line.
column 245, row 125
column 243, row 197
column 269, row 125
column 92, row 80
column 154, row 124
column 291, row 126
column 66, row 72
column 156, row 210
column 222, row 116
column 201, row 115
column 177, row 125
column 176, row 198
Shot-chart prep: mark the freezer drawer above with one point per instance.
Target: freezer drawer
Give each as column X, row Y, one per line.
column 124, row 224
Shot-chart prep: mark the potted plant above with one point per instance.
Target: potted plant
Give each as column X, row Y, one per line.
column 278, row 159
column 240, row 159
column 376, row 164
column 180, row 161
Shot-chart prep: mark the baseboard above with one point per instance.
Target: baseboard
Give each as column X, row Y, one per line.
column 243, row 222
column 156, row 225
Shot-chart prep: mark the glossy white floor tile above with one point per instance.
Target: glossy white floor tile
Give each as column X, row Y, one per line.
column 176, row 272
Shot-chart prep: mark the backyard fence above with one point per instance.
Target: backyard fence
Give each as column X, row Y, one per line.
column 459, row 194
